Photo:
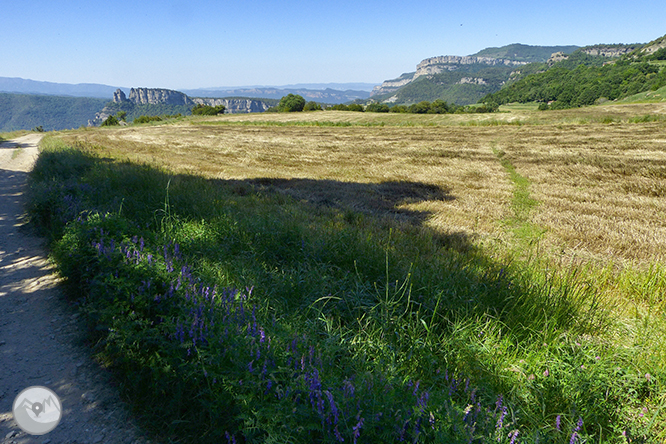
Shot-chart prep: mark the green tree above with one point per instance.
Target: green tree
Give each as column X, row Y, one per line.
column 206, row 110
column 339, row 107
column 377, row 108
column 312, row 106
column 291, row 103
column 355, row 107
column 110, row 121
column 420, row 108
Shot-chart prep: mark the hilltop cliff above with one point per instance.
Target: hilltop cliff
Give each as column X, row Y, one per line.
column 159, row 101
column 462, row 79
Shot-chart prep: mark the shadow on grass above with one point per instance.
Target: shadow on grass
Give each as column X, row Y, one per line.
column 300, row 241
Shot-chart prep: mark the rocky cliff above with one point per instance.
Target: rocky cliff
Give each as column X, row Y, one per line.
column 435, row 65
column 610, row 50
column 235, row 106
column 153, row 96
column 170, row 102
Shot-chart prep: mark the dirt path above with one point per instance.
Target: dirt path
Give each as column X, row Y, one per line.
column 40, row 339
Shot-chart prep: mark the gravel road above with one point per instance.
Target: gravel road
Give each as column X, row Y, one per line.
column 41, row 335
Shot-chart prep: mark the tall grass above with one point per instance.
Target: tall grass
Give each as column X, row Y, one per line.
column 249, row 315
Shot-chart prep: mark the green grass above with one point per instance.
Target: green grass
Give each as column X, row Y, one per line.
column 412, row 333
column 646, row 97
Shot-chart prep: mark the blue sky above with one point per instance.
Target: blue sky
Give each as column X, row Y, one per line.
column 182, row 44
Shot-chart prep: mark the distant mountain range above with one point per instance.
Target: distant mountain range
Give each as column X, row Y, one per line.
column 321, row 92
column 26, row 86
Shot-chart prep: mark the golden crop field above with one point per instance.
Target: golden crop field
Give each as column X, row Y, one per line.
column 521, row 251
column 598, row 175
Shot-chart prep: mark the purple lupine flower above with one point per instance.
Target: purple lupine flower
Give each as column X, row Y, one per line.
column 348, row 389
column 338, row 436
column 513, row 438
column 357, row 429
column 558, row 421
column 574, row 435
column 334, row 409
column 230, row 439
column 500, row 421
column 498, row 404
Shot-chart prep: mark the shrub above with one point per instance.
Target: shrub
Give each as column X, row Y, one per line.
column 146, row 119
column 377, row 108
column 339, row 107
column 312, row 106
column 111, row 121
column 355, row 107
column 206, row 110
column 291, row 103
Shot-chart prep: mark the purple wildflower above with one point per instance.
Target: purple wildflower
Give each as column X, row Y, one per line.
column 574, row 435
column 513, row 438
column 357, row 429
column 558, row 421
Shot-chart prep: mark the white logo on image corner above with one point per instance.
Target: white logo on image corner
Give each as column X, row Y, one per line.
column 37, row 410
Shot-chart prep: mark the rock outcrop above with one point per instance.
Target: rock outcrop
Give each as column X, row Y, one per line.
column 119, row 96
column 435, row 65
column 157, row 96
column 390, row 86
column 557, row 57
column 610, row 50
column 235, row 106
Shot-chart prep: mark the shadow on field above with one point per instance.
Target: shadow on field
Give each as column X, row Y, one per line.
column 369, row 198
column 382, row 201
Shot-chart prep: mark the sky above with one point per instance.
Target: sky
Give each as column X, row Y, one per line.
column 188, row 44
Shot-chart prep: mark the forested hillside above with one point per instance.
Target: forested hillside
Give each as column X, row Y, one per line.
column 584, row 79
column 525, row 53
column 23, row 111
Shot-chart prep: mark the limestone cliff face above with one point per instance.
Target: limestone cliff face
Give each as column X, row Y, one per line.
column 435, row 65
column 235, row 106
column 156, row 96
column 390, row 86
column 610, row 50
column 119, row 96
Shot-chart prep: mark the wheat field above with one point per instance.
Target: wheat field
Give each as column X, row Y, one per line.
column 598, row 175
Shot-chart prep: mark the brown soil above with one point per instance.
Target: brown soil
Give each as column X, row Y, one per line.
column 41, row 340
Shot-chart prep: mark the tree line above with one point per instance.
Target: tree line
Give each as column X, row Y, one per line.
column 296, row 103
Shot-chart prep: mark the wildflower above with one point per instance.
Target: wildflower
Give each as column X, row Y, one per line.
column 648, row 377
column 467, row 410
column 558, row 421
column 574, row 435
column 338, row 436
column 546, row 373
column 357, row 429
column 513, row 438
column 334, row 409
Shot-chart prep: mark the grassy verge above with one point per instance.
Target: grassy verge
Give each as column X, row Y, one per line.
column 248, row 314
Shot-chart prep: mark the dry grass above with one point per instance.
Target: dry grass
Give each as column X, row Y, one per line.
column 600, row 186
